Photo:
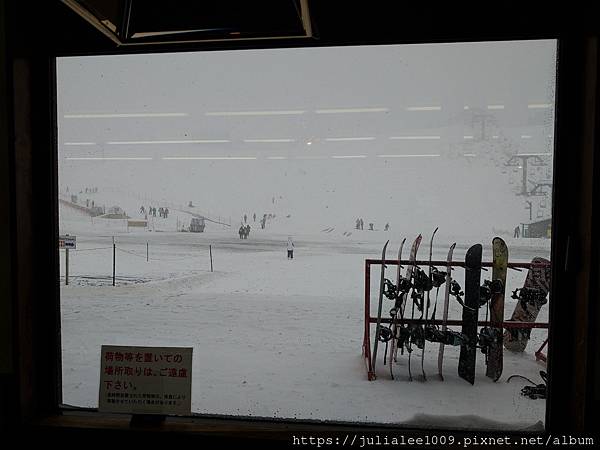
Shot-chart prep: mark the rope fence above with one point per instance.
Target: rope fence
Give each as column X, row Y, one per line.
column 193, row 259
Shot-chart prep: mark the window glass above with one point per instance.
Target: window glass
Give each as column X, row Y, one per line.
column 244, row 191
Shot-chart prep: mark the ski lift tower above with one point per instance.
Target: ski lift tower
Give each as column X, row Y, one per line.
column 483, row 118
column 521, row 161
column 538, row 188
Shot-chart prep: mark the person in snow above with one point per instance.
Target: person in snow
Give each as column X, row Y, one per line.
column 254, row 217
column 516, row 232
column 290, row 248
column 387, row 227
column 245, row 218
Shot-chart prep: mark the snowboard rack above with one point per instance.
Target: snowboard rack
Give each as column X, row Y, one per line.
column 413, row 325
column 539, row 354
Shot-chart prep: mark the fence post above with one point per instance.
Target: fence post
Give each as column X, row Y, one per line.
column 210, row 251
column 66, row 266
column 114, row 259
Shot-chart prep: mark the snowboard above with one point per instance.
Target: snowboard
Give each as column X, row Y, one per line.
column 378, row 326
column 426, row 307
column 445, row 312
column 466, row 362
column 494, row 352
column 394, row 312
column 398, row 332
column 531, row 297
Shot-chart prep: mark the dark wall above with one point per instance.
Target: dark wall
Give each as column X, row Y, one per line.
column 33, row 32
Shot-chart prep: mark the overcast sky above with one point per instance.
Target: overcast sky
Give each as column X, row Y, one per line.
column 256, row 117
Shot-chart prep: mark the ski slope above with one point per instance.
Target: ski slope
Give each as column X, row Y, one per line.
column 274, row 337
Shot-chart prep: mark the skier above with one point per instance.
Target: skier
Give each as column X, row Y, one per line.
column 387, row 227
column 142, row 210
column 166, row 212
column 290, row 248
column 254, row 217
column 371, row 226
column 517, row 232
column 241, row 231
column 362, row 224
column 358, row 224
column 245, row 218
column 247, row 231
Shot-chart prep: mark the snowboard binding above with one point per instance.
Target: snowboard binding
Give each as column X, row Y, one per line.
column 448, row 337
column 417, row 298
column 384, row 335
column 437, row 277
column 488, row 289
column 489, row 337
column 457, row 293
column 404, row 285
column 390, row 290
column 530, row 297
column 534, row 391
column 417, row 336
column 422, row 282
column 402, row 336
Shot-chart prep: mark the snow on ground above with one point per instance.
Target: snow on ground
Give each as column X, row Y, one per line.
column 274, row 337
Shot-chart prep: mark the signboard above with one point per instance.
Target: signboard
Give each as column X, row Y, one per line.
column 68, row 242
column 146, row 380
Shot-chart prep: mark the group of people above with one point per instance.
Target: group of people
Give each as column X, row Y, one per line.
column 246, row 217
column 88, row 190
column 244, row 231
column 360, row 225
column 162, row 212
column 263, row 221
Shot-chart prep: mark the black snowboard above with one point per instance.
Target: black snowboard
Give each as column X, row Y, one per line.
column 466, row 362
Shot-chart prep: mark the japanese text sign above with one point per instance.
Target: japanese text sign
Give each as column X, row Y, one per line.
column 146, row 380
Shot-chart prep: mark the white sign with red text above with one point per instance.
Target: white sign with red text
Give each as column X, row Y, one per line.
column 145, row 380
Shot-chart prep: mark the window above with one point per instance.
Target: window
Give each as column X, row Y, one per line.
column 166, row 159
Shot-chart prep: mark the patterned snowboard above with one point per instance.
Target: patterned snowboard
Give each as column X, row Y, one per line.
column 527, row 309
